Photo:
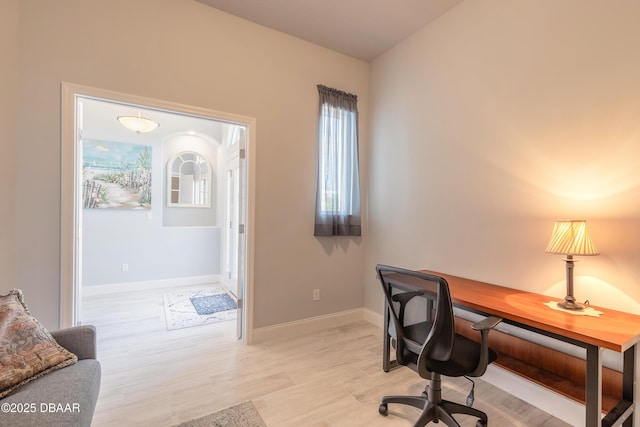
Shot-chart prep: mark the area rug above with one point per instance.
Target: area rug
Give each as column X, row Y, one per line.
column 213, row 304
column 242, row 415
column 180, row 308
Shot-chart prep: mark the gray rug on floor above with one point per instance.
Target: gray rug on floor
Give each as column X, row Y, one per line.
column 242, row 415
column 213, row 304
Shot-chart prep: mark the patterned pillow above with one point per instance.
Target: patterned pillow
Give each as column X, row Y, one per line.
column 27, row 349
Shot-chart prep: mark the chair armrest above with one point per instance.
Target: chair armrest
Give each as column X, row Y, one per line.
column 486, row 323
column 80, row 340
column 484, row 326
column 404, row 297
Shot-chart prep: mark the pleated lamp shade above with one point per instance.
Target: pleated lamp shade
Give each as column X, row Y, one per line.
column 570, row 237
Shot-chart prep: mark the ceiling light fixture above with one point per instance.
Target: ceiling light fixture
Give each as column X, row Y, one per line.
column 138, row 124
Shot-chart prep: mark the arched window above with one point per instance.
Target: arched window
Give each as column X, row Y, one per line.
column 189, row 180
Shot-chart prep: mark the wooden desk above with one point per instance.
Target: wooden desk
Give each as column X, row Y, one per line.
column 614, row 330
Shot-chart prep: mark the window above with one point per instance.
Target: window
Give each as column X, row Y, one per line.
column 189, row 180
column 338, row 189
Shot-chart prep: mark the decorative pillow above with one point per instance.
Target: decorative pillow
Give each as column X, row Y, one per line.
column 27, row 349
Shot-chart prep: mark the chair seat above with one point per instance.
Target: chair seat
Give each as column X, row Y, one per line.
column 464, row 358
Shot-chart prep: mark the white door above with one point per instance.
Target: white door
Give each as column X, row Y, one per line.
column 234, row 242
column 232, row 224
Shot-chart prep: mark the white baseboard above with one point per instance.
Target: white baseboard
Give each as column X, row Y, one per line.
column 306, row 326
column 546, row 400
column 146, row 285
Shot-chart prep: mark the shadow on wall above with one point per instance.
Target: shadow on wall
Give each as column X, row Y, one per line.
column 342, row 243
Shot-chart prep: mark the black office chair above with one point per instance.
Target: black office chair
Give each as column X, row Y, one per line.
column 432, row 348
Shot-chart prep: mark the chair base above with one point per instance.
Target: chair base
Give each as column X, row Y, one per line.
column 434, row 409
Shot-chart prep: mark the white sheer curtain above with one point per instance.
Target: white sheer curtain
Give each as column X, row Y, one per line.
column 338, row 191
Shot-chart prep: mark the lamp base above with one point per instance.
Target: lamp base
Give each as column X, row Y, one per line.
column 570, row 305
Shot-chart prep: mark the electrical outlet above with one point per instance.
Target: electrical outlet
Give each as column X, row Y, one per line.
column 316, row 294
column 125, row 268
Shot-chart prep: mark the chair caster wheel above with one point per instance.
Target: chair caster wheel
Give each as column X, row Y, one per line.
column 479, row 423
column 383, row 409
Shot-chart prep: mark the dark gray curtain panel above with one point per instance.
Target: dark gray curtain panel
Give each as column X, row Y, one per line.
column 338, row 187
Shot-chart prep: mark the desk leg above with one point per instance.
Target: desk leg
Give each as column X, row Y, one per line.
column 593, row 404
column 622, row 414
column 386, row 341
column 387, row 364
column 628, row 382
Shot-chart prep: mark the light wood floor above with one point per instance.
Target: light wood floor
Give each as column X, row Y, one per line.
column 155, row 377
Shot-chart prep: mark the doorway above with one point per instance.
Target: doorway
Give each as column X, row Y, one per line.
column 226, row 129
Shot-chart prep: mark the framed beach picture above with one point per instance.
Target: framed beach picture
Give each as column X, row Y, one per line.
column 116, row 175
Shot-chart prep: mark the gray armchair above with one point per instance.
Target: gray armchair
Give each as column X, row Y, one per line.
column 65, row 397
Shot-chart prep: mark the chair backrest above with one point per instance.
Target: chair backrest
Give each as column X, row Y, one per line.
column 439, row 342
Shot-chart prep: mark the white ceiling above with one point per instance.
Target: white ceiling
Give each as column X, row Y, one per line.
column 99, row 121
column 362, row 29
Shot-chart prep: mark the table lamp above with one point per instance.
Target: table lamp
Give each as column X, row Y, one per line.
column 570, row 237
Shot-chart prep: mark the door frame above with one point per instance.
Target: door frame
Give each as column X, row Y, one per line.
column 71, row 214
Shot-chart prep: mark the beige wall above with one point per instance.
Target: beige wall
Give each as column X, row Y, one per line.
column 486, row 126
column 495, row 120
column 185, row 52
column 8, row 114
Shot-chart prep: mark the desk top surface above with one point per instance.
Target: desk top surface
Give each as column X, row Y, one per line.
column 614, row 330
